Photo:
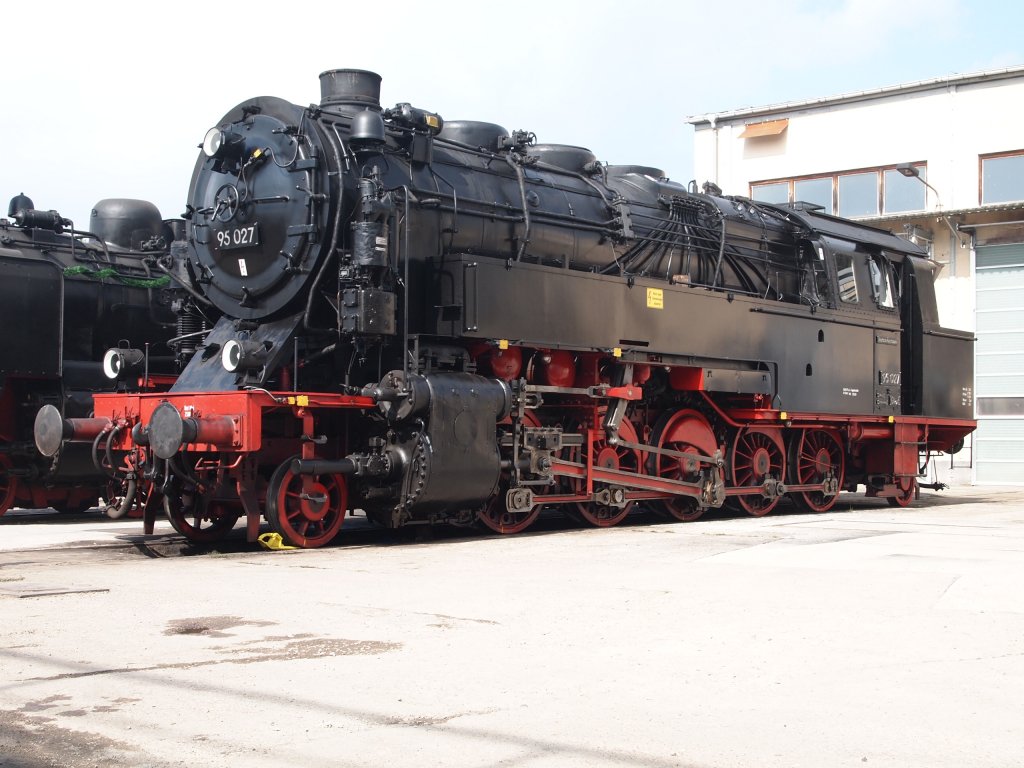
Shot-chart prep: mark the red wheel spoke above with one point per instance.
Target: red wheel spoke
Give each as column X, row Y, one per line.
column 685, row 431
column 820, row 457
column 495, row 515
column 907, row 488
column 618, row 457
column 757, row 457
column 295, row 509
column 203, row 513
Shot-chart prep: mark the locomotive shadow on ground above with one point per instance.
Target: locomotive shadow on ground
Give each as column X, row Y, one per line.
column 50, row 516
column 360, row 532
column 547, row 521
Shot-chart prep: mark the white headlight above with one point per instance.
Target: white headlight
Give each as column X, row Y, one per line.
column 213, row 141
column 118, row 362
column 231, row 356
column 113, row 363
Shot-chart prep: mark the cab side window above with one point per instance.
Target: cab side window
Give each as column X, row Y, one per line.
column 881, row 282
column 847, row 278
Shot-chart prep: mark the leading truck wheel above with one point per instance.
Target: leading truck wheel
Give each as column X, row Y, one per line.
column 197, row 519
column 906, row 490
column 307, row 510
column 8, row 485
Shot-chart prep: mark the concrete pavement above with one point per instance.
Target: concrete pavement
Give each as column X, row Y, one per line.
column 865, row 636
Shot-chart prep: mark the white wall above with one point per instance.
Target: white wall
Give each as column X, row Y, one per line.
column 947, row 128
column 955, row 299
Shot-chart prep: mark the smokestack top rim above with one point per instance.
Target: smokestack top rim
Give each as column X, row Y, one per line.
column 350, row 87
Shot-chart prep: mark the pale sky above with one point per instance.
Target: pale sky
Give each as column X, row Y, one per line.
column 109, row 99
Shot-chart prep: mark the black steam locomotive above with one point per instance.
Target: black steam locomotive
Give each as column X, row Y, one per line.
column 448, row 321
column 67, row 298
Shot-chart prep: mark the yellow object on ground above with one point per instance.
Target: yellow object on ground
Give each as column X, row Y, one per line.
column 273, row 541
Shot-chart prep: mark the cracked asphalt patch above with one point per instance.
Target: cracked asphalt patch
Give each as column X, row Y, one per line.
column 32, row 741
column 295, row 650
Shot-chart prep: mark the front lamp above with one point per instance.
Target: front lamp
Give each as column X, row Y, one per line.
column 120, row 361
column 243, row 355
column 224, row 144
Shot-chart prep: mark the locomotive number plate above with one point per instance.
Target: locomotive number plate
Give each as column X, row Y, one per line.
column 237, row 237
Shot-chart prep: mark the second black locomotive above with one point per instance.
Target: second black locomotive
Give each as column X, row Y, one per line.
column 69, row 297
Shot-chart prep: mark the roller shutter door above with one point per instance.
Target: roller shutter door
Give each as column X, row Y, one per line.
column 999, row 364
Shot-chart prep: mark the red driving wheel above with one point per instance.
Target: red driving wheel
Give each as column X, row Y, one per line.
column 818, row 455
column 607, row 456
column 495, row 515
column 684, row 431
column 757, row 455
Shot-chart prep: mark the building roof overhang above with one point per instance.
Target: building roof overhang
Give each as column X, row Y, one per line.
column 713, row 118
column 1015, row 209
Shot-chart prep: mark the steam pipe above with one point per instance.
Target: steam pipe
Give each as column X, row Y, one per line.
column 323, row 467
column 721, row 255
column 308, row 314
column 406, row 363
column 185, row 286
column 526, row 207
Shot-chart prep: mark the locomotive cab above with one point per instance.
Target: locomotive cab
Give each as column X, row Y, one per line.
column 937, row 362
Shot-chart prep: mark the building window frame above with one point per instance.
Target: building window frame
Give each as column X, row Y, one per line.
column 855, row 178
column 831, row 208
column 982, row 159
column 879, row 171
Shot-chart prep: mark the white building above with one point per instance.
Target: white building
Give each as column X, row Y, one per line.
column 939, row 161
